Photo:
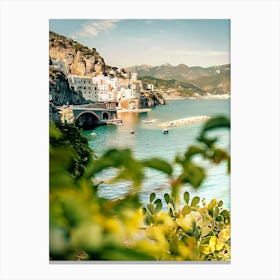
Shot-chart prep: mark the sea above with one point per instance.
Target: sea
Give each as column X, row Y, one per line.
column 149, row 141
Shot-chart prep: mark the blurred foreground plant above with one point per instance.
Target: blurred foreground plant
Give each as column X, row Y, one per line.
column 86, row 226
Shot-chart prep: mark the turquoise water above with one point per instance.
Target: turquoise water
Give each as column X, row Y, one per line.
column 149, row 141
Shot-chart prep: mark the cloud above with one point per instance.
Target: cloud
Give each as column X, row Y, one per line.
column 95, row 27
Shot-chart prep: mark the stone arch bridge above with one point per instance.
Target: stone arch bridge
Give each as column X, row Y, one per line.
column 88, row 117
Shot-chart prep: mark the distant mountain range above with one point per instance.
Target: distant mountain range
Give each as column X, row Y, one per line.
column 215, row 79
column 173, row 88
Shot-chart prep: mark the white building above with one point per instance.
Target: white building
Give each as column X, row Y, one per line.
column 85, row 86
column 151, row 87
column 106, row 89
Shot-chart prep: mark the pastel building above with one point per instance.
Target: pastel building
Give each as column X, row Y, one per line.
column 107, row 88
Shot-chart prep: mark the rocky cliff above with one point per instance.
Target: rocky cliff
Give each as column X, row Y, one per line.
column 78, row 59
column 59, row 90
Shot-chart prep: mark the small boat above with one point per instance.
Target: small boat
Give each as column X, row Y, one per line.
column 165, row 131
column 93, row 134
column 119, row 122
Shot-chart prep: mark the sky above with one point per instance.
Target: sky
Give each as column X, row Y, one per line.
column 129, row 42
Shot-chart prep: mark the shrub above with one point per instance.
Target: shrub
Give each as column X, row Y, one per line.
column 86, row 226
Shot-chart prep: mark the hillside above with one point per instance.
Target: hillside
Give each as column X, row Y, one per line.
column 78, row 59
column 215, row 79
column 216, row 84
column 172, row 88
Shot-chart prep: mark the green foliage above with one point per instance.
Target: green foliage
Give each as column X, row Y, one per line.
column 195, row 201
column 84, row 225
column 186, row 197
column 190, row 233
column 152, row 197
column 158, row 164
column 68, row 137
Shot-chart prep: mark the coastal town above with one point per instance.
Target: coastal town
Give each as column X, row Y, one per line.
column 103, row 96
column 127, row 92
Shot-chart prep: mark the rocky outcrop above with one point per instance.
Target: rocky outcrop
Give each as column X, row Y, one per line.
column 78, row 59
column 59, row 90
column 67, row 114
column 153, row 99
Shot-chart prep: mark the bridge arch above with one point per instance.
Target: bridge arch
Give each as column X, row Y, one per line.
column 105, row 116
column 87, row 120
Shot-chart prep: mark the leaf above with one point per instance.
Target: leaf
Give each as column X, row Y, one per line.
column 212, row 204
column 158, row 206
column 166, row 197
column 157, row 201
column 187, row 197
column 225, row 214
column 220, row 218
column 148, row 220
column 217, row 122
column 151, row 208
column 187, row 223
column 196, row 233
column 216, row 211
column 170, row 210
column 193, row 150
column 171, row 201
column 186, row 210
column 152, row 197
column 220, row 204
column 219, row 155
column 158, row 164
column 130, row 169
column 195, row 201
column 213, row 123
column 206, row 140
column 205, row 240
column 196, row 175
